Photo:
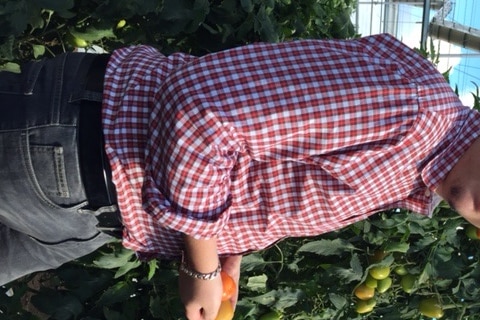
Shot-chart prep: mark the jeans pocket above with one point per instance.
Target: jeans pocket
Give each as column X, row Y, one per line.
column 49, row 166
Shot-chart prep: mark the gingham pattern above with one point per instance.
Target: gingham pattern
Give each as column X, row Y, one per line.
column 268, row 141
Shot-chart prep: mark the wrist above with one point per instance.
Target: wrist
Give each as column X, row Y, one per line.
column 200, row 255
column 185, row 268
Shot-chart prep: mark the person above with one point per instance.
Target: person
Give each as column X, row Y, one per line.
column 217, row 156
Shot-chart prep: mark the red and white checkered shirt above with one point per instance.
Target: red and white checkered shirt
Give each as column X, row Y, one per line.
column 268, row 141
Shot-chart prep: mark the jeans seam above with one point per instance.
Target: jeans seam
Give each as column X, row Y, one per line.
column 60, row 173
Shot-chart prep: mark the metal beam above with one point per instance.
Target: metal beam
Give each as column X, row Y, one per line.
column 425, row 23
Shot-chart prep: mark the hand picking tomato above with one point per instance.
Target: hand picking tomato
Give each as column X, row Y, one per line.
column 225, row 312
column 229, row 286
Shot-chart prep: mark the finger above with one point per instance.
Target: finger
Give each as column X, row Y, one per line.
column 209, row 314
column 193, row 313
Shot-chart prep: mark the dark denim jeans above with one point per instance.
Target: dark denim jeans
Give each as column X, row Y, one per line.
column 43, row 223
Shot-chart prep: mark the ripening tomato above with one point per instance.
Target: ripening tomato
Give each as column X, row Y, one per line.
column 229, row 286
column 363, row 292
column 431, row 307
column 472, row 232
column 225, row 312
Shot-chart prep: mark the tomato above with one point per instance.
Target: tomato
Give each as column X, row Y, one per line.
column 408, row 282
column 379, row 272
column 371, row 282
column 431, row 307
column 384, row 285
column 225, row 312
column 363, row 292
column 229, row 286
column 272, row 315
column 121, row 24
column 75, row 41
column 400, row 270
column 472, row 232
column 365, row 306
column 378, row 256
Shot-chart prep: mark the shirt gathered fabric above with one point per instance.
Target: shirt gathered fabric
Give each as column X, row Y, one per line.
column 267, row 141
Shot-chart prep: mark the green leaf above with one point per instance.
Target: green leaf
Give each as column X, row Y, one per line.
column 396, row 247
column 10, row 67
column 38, row 50
column 356, row 265
column 252, row 261
column 119, row 292
column 127, row 267
column 152, row 267
column 327, row 247
column 60, row 304
column 155, row 306
column 257, row 283
column 279, row 299
column 111, row 314
column 348, row 275
column 247, row 5
column 337, row 300
column 114, row 260
column 55, row 5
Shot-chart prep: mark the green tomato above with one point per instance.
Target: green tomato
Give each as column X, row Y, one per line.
column 371, row 282
column 431, row 307
column 365, row 306
column 400, row 270
column 272, row 315
column 75, row 41
column 384, row 285
column 121, row 24
column 408, row 282
column 379, row 272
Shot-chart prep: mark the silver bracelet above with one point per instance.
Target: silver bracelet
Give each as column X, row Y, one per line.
column 198, row 275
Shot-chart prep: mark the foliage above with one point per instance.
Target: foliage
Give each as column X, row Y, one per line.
column 30, row 29
column 311, row 278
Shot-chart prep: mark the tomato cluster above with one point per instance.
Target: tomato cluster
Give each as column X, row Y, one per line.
column 379, row 280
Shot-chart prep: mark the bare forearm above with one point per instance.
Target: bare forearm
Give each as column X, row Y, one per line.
column 201, row 255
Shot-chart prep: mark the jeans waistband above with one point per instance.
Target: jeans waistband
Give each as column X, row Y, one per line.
column 94, row 165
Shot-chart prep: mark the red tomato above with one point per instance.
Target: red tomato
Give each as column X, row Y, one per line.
column 229, row 286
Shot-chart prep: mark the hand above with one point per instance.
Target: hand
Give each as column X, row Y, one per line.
column 201, row 298
column 231, row 265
